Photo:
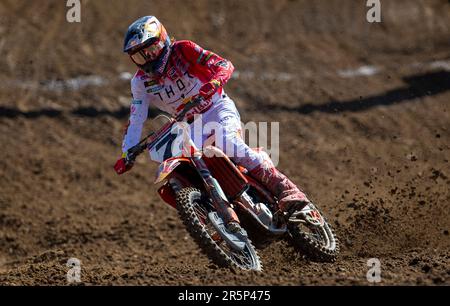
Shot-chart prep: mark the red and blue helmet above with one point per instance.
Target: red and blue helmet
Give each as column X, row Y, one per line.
column 148, row 45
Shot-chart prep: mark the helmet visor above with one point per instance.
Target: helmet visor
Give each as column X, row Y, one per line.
column 148, row 54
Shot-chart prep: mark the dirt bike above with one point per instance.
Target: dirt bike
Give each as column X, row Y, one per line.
column 206, row 188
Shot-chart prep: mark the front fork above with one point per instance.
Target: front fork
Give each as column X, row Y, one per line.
column 213, row 188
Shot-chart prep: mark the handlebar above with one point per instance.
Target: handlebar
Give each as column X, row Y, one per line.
column 190, row 105
column 135, row 151
column 138, row 149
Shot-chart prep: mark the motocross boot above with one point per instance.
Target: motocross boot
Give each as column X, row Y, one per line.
column 289, row 197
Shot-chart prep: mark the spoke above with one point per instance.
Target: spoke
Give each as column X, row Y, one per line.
column 242, row 258
column 316, row 232
column 201, row 215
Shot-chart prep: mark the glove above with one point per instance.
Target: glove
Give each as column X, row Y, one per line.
column 209, row 89
column 123, row 165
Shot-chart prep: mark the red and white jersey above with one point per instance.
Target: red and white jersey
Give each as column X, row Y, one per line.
column 188, row 69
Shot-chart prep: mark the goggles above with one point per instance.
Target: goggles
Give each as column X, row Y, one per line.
column 148, row 54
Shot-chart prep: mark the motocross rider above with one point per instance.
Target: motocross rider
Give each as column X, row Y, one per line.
column 169, row 72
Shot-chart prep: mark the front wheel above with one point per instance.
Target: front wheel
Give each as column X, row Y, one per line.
column 193, row 209
column 312, row 235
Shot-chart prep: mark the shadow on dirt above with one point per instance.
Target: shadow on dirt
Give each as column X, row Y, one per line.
column 8, row 112
column 419, row 86
column 89, row 112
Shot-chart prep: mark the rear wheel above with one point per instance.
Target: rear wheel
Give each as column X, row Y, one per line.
column 312, row 235
column 193, row 210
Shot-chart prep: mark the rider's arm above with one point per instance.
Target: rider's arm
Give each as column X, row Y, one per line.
column 206, row 65
column 138, row 115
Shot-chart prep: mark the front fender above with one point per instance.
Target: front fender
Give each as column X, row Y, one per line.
column 167, row 167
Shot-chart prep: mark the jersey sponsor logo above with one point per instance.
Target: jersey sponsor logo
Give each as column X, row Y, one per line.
column 208, row 57
column 180, row 84
column 136, row 102
column 222, row 63
column 171, row 90
column 172, row 73
column 153, row 86
column 204, row 105
column 204, row 57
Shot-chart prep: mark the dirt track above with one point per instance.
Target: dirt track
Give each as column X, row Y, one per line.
column 372, row 150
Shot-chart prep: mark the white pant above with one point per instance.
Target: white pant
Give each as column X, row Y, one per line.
column 226, row 122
